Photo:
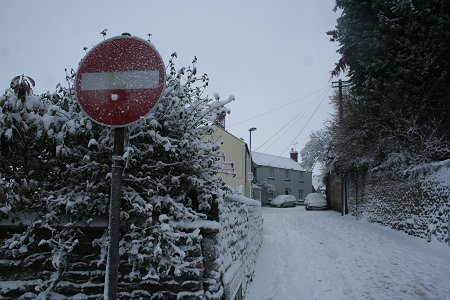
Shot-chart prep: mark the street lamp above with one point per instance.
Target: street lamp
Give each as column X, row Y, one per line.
column 250, row 130
column 251, row 168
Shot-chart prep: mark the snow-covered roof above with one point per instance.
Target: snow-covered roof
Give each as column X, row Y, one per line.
column 263, row 159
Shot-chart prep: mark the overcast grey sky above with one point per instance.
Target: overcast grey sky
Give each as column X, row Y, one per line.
column 268, row 54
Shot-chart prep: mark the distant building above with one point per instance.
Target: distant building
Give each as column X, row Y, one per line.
column 278, row 175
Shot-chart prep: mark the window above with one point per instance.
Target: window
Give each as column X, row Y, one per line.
column 271, row 173
column 256, row 194
column 271, row 194
column 287, row 175
column 300, row 194
column 301, row 177
column 286, row 191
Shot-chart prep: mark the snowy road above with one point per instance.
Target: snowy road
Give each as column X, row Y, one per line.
column 321, row 255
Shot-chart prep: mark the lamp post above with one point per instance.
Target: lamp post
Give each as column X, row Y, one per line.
column 251, row 163
column 250, row 130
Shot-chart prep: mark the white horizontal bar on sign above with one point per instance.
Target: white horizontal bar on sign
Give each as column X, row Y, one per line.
column 119, row 80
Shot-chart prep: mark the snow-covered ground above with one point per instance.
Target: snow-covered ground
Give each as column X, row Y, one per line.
column 322, row 255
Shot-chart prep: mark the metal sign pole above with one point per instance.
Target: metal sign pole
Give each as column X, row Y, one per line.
column 112, row 266
column 112, row 94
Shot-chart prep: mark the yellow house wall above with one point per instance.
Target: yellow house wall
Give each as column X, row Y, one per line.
column 235, row 151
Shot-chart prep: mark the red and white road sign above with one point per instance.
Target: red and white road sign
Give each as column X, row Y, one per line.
column 120, row 80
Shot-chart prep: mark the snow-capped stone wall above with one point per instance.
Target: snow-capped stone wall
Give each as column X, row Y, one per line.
column 418, row 203
column 240, row 239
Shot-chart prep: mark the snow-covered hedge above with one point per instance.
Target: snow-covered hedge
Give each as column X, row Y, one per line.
column 219, row 257
column 181, row 234
column 55, row 166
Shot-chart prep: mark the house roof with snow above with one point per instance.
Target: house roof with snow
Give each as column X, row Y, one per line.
column 269, row 160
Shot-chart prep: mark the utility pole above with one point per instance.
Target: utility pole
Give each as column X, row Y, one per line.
column 338, row 84
column 340, row 105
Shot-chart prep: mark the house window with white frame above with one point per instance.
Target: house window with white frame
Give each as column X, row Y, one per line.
column 287, row 175
column 271, row 173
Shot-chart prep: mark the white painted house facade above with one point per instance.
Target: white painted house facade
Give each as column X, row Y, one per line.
column 283, row 173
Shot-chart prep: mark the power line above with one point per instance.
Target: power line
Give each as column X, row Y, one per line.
column 277, row 108
column 307, row 122
column 290, row 123
column 301, row 130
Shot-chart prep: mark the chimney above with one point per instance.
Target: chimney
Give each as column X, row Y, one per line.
column 220, row 121
column 294, row 155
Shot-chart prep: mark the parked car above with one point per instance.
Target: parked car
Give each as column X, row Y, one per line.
column 283, row 201
column 315, row 201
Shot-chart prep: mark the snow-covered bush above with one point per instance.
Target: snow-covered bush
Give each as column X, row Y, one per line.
column 55, row 175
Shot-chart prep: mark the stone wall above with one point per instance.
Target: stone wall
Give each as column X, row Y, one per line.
column 221, row 255
column 334, row 192
column 417, row 203
column 240, row 239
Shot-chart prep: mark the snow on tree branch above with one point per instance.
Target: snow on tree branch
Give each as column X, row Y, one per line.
column 55, row 166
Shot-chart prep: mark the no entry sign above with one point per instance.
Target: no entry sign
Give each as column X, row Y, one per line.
column 120, row 80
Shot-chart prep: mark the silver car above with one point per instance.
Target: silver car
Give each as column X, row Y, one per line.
column 315, row 201
column 283, row 201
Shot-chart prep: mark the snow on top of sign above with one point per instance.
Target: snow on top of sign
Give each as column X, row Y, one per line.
column 270, row 160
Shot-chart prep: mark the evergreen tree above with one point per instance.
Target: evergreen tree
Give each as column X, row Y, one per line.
column 396, row 56
column 55, row 174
